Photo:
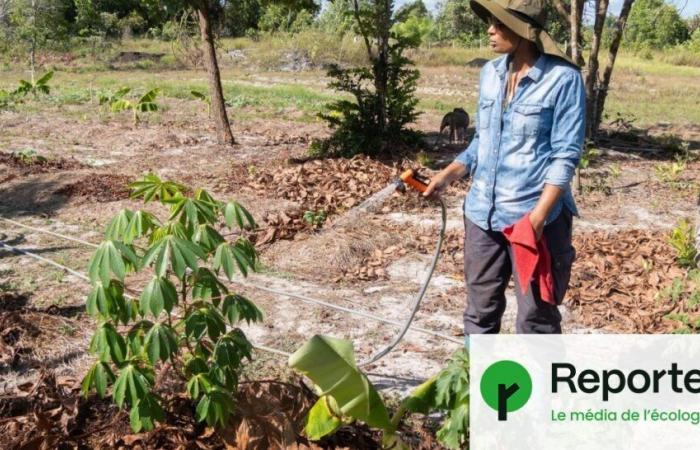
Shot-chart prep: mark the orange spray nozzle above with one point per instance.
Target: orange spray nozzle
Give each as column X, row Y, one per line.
column 410, row 178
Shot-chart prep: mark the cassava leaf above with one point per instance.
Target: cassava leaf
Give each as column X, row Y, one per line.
column 99, row 376
column 174, row 253
column 132, row 385
column 151, row 187
column 160, row 343
column 236, row 214
column 159, row 294
column 236, row 307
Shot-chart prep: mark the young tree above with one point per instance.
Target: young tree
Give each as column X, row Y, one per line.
column 384, row 100
column 37, row 24
column 218, row 104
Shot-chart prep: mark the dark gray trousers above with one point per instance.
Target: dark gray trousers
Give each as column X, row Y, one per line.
column 488, row 267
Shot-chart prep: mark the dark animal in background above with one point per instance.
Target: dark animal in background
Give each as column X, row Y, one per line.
column 457, row 120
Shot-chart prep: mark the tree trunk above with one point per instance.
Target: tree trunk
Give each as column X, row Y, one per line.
column 592, row 75
column 381, row 65
column 32, row 50
column 562, row 9
column 607, row 73
column 576, row 38
column 218, row 106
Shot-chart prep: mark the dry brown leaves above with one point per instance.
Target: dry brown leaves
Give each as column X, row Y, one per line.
column 330, row 185
column 29, row 166
column 616, row 277
column 614, row 284
column 422, row 241
column 98, row 188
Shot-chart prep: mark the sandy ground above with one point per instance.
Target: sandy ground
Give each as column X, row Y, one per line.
column 79, row 201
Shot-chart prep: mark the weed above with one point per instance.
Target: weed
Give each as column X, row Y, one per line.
column 315, row 218
column 669, row 172
column 28, row 157
column 682, row 240
column 424, row 159
column 685, row 293
column 615, row 170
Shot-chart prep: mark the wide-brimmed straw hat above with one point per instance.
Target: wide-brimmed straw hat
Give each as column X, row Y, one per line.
column 525, row 17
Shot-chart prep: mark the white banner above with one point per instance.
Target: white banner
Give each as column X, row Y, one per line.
column 554, row 392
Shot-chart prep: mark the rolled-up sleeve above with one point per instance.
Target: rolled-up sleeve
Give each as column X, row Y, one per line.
column 568, row 131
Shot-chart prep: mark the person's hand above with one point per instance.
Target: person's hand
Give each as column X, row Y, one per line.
column 436, row 185
column 537, row 222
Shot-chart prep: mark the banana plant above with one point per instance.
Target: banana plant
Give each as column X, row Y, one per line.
column 204, row 98
column 185, row 320
column 34, row 87
column 118, row 102
column 346, row 394
column 109, row 98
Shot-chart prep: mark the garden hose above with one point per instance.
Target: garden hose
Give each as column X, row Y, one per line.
column 409, row 178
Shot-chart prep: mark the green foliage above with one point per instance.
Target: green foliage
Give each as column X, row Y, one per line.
column 330, row 364
column 240, row 16
column 315, row 218
column 654, row 24
column 456, row 21
column 669, row 172
column 40, row 86
column 203, row 98
column 36, row 24
column 383, row 94
column 287, row 16
column 117, row 102
column 684, row 294
column 345, row 394
column 336, row 18
column 682, row 240
column 28, row 157
column 185, row 315
column 588, row 156
column 414, row 30
column 8, row 100
column 452, row 398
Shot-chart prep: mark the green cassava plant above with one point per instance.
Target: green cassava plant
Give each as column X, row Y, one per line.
column 184, row 322
column 40, row 86
column 346, row 394
column 117, row 102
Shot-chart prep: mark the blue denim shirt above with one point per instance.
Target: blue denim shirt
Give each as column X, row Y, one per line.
column 537, row 139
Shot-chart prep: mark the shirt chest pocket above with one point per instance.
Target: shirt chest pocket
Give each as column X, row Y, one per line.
column 485, row 112
column 530, row 120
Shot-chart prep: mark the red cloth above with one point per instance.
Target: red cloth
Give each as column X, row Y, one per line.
column 532, row 258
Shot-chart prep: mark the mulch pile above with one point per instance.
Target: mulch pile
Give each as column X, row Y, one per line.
column 50, row 413
column 101, row 188
column 615, row 284
column 617, row 276
column 38, row 165
column 330, row 185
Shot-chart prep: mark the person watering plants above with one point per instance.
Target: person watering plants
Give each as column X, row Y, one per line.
column 529, row 137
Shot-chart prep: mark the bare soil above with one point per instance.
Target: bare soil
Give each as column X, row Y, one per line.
column 374, row 264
